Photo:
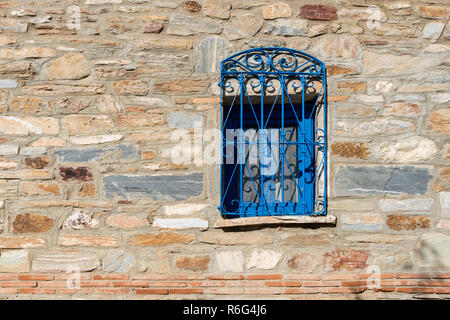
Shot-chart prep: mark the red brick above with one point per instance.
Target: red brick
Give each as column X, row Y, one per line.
column 382, row 275
column 7, row 277
column 354, row 283
column 186, row 291
column 442, row 290
column 8, row 290
column 226, row 277
column 112, row 290
column 53, row 284
column 434, row 283
column 144, row 276
column 283, row 283
column 413, row 276
column 152, row 291
column 441, row 275
column 72, row 291
column 223, row 291
column 303, row 290
column 346, row 290
column 98, row 283
column 415, row 290
column 138, row 284
column 36, row 277
column 17, row 284
column 321, row 283
column 398, row 282
column 110, row 277
column 214, row 283
column 386, row 289
column 168, row 284
column 36, row 291
column 185, row 277
column 264, row 276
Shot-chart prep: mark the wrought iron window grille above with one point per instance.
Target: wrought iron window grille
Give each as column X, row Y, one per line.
column 274, row 128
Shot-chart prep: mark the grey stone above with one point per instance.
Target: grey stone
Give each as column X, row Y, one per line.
column 123, row 152
column 433, row 30
column 8, row 83
column 444, row 199
column 118, row 261
column 8, row 149
column 409, row 205
column 161, row 187
column 186, row 25
column 354, row 180
column 243, row 26
column 287, row 27
column 182, row 120
column 255, row 43
column 433, row 250
column 209, row 53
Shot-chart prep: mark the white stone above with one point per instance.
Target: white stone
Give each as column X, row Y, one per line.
column 104, row 138
column 369, row 98
column 8, row 149
column 109, row 104
column 180, row 223
column 384, row 86
column 437, row 48
column 263, row 259
column 433, row 30
column 33, row 151
column 80, row 220
column 230, row 261
column 8, row 84
column 444, row 199
column 444, row 224
column 102, row 1
column 184, row 209
column 440, row 98
column 65, row 261
column 433, row 251
column 15, row 261
column 407, row 150
column 410, row 205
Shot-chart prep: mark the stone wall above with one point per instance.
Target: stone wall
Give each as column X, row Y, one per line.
column 91, row 92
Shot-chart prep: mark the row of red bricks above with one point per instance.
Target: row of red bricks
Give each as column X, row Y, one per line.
column 223, row 284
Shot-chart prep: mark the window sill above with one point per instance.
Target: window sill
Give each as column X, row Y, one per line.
column 275, row 220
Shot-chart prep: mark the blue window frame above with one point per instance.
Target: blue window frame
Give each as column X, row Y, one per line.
column 273, row 124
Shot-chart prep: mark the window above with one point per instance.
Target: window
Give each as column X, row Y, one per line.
column 273, row 124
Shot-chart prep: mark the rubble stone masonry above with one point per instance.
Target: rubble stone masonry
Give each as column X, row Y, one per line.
column 92, row 92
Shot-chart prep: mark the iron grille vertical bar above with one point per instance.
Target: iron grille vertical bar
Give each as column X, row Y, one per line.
column 240, row 145
column 304, row 147
column 282, row 143
column 261, row 150
column 325, row 147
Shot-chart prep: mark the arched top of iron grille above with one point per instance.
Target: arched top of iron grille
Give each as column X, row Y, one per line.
column 273, row 60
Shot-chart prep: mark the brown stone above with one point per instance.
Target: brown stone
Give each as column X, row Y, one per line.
column 162, row 238
column 311, row 239
column 71, row 66
column 28, row 125
column 181, row 86
column 80, row 173
column 87, row 190
column 26, row 105
column 76, row 124
column 403, row 222
column 402, row 109
column 130, row 87
column 352, row 86
column 350, row 149
column 148, row 155
column 125, row 221
column 31, row 223
column 153, row 27
column 444, row 174
column 22, row 242
column 139, row 120
column 193, row 263
column 318, row 12
column 306, row 262
column 337, row 70
column 71, row 105
column 38, row 162
column 192, row 6
column 233, row 238
column 39, row 188
column 432, row 12
column 345, row 259
column 87, row 240
column 439, row 121
column 355, row 111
